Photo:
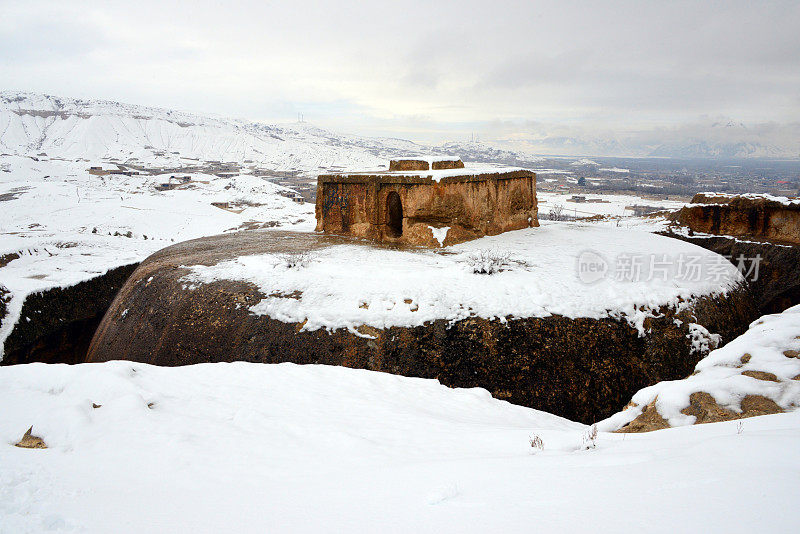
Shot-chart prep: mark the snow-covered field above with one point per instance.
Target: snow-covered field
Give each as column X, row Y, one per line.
column 575, row 270
column 611, row 205
column 283, row 448
column 61, row 225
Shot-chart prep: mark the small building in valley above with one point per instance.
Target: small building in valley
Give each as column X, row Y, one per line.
column 430, row 202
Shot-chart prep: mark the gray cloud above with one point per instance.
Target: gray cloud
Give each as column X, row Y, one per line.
column 453, row 66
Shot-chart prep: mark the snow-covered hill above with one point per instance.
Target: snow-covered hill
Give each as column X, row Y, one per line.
column 32, row 124
column 61, row 225
column 245, row 447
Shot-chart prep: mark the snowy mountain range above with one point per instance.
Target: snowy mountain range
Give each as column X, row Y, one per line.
column 701, row 140
column 97, row 129
column 32, row 123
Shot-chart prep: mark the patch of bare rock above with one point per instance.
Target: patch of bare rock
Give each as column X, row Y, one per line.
column 29, row 441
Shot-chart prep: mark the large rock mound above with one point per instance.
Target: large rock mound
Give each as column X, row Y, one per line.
column 583, row 368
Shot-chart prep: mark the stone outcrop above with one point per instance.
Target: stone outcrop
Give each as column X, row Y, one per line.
column 583, row 369
column 754, row 374
column 57, row 325
column 29, row 441
column 411, row 208
column 705, row 409
column 748, row 216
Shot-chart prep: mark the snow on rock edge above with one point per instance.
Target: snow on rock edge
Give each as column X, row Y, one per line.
column 756, row 373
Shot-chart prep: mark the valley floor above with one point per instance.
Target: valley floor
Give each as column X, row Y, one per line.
column 276, row 448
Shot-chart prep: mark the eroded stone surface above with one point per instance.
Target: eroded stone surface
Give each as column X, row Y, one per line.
column 743, row 216
column 30, row 441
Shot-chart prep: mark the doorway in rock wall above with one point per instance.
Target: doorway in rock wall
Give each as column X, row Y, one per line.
column 394, row 214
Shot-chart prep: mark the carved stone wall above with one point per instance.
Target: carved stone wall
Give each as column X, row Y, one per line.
column 471, row 206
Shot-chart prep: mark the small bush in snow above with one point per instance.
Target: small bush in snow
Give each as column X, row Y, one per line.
column 295, row 260
column 489, row 262
column 590, row 438
column 536, row 442
column 557, row 213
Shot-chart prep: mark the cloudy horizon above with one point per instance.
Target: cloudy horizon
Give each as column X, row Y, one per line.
column 513, row 72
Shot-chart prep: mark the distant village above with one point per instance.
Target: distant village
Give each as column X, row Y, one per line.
column 578, row 180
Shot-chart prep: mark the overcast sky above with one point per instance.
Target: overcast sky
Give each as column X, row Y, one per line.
column 426, row 70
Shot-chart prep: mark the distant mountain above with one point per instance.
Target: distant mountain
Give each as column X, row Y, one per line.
column 703, row 140
column 705, row 150
column 96, row 129
column 70, row 128
column 484, row 153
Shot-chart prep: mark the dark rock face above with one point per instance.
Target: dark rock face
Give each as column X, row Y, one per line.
column 57, row 325
column 5, row 296
column 583, row 369
column 778, row 284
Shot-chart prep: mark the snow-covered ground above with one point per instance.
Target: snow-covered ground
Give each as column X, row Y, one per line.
column 61, row 225
column 575, row 270
column 252, row 448
column 284, row 448
column 611, row 205
column 763, row 361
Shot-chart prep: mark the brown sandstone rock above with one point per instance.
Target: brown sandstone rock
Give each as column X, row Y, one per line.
column 753, row 405
column 447, row 164
column 705, row 409
column 739, row 216
column 761, row 375
column 30, row 441
column 408, row 165
column 647, row 421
